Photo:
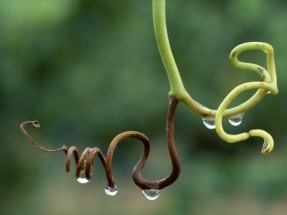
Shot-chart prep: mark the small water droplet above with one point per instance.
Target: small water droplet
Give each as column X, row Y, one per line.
column 236, row 119
column 151, row 194
column 82, row 178
column 111, row 191
column 265, row 145
column 209, row 122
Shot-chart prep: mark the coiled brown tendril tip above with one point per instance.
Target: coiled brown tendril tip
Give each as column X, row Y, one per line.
column 84, row 162
column 36, row 124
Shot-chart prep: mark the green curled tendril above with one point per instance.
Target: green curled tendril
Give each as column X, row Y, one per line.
column 268, row 83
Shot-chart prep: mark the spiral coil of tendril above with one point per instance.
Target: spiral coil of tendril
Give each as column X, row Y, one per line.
column 84, row 162
column 268, row 84
column 212, row 119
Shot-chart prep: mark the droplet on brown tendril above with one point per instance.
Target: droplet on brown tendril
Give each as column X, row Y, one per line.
column 82, row 178
column 151, row 194
column 111, row 191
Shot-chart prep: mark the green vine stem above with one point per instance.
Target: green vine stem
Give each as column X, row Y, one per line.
column 177, row 88
column 268, row 83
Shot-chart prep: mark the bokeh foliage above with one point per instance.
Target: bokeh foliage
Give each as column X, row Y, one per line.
column 89, row 69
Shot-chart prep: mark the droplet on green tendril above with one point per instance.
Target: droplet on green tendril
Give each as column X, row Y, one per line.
column 209, row 122
column 265, row 145
column 236, row 119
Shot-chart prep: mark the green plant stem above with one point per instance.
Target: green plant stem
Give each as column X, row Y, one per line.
column 160, row 29
column 268, row 83
column 177, row 88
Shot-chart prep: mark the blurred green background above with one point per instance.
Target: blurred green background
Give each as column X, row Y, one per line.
column 90, row 69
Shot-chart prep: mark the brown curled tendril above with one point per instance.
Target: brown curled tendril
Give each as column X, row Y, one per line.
column 138, row 179
column 84, row 163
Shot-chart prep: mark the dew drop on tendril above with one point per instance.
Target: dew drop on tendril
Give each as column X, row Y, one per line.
column 111, row 191
column 82, row 178
column 236, row 119
column 209, row 122
column 265, row 145
column 151, row 194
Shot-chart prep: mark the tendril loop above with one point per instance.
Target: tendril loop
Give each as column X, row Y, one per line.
column 267, row 85
column 84, row 162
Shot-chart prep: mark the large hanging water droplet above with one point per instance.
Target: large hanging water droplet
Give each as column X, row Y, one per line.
column 82, row 178
column 236, row 119
column 111, row 191
column 151, row 194
column 209, row 122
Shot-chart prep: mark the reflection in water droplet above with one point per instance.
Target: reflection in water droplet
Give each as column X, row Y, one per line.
column 82, row 178
column 236, row 119
column 209, row 122
column 151, row 194
column 111, row 191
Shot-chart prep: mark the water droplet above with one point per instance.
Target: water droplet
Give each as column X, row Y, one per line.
column 265, row 145
column 151, row 194
column 111, row 191
column 82, row 178
column 209, row 122
column 236, row 119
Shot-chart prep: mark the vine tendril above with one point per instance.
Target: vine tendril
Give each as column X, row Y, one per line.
column 268, row 83
column 177, row 94
column 84, row 162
